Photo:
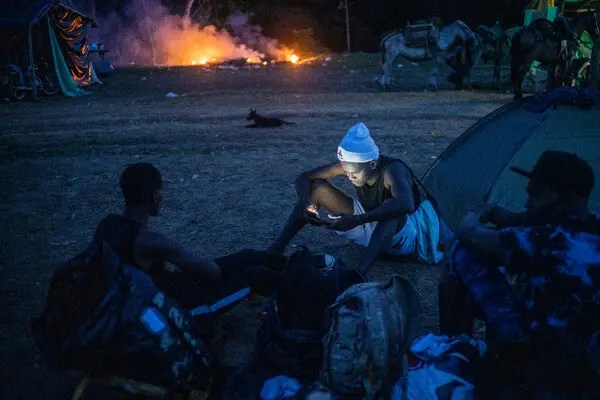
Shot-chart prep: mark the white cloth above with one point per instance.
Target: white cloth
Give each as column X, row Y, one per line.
column 358, row 145
column 420, row 236
column 423, row 383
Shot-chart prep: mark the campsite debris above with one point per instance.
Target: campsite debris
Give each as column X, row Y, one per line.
column 62, row 243
column 195, row 176
column 171, row 95
column 436, row 133
column 280, row 387
column 430, row 369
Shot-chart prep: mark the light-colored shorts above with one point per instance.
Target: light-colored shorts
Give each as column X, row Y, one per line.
column 420, row 235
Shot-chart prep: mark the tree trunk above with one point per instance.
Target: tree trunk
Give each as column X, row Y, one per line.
column 34, row 92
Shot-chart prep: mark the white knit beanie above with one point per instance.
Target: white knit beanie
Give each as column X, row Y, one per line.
column 358, row 145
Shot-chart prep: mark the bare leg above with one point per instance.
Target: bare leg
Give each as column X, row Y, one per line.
column 434, row 72
column 519, row 65
column 455, row 317
column 323, row 194
column 380, row 242
column 388, row 65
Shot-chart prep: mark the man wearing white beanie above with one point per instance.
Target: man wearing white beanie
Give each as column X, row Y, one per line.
column 391, row 213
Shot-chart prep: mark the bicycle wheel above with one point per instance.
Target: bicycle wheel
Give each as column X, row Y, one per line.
column 15, row 83
column 49, row 84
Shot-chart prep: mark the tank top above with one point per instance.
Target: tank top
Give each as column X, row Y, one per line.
column 120, row 233
column 372, row 196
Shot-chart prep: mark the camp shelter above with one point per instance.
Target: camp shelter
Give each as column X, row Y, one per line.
column 475, row 168
column 48, row 39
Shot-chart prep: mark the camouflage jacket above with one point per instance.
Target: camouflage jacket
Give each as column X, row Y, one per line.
column 560, row 270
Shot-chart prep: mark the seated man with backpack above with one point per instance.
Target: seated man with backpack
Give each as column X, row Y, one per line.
column 115, row 309
column 534, row 279
column 198, row 280
column 134, row 242
column 389, row 215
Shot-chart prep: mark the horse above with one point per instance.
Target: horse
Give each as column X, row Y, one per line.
column 496, row 44
column 540, row 41
column 457, row 37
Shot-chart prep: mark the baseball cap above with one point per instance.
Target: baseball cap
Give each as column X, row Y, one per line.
column 567, row 172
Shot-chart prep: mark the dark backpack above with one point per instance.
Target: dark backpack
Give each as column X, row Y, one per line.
column 103, row 316
column 289, row 340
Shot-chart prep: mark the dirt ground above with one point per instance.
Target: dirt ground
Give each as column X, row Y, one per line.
column 227, row 187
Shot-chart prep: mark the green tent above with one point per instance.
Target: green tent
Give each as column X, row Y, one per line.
column 475, row 167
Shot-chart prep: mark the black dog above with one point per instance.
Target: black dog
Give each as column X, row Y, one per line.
column 264, row 122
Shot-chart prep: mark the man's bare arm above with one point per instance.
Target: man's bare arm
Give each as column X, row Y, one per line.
column 153, row 246
column 305, row 179
column 399, row 181
column 502, row 218
column 476, row 235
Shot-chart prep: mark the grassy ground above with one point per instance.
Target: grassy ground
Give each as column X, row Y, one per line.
column 227, row 187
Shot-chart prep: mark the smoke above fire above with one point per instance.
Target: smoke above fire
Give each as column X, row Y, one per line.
column 147, row 34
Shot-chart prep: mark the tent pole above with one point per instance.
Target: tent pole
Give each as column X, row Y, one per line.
column 31, row 62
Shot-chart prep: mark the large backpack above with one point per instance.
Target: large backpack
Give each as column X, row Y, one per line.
column 371, row 324
column 105, row 317
column 289, row 341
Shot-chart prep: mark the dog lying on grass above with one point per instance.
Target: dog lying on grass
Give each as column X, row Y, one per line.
column 264, row 122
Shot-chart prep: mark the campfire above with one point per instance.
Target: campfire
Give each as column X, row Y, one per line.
column 258, row 60
column 162, row 39
column 286, row 56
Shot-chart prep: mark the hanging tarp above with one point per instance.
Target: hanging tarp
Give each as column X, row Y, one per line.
column 68, row 85
column 71, row 30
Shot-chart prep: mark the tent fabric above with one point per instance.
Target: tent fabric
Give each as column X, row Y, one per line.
column 68, row 85
column 71, row 28
column 475, row 168
column 21, row 13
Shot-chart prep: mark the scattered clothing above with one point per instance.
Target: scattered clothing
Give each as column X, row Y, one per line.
column 280, row 387
column 430, row 347
column 440, row 367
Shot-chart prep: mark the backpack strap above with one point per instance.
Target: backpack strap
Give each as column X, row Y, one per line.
column 417, row 181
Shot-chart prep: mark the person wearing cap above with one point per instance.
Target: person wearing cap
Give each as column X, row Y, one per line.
column 533, row 276
column 390, row 213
